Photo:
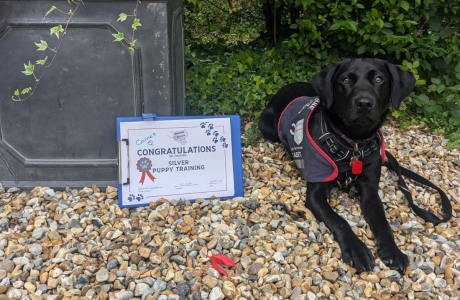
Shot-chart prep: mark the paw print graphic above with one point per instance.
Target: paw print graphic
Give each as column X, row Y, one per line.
column 215, row 139
column 223, row 139
column 140, row 197
column 225, row 145
column 144, row 165
column 216, row 133
column 208, row 132
column 210, row 126
column 203, row 124
column 131, row 197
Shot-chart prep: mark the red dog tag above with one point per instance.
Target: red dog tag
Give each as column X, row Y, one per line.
column 356, row 166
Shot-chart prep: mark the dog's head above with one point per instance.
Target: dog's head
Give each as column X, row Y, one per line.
column 356, row 93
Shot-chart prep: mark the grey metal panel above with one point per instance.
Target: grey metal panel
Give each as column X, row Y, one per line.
column 65, row 134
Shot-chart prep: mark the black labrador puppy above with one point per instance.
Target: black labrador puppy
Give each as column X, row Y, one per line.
column 331, row 128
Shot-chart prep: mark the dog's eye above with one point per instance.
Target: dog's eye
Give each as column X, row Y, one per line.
column 345, row 80
column 378, row 79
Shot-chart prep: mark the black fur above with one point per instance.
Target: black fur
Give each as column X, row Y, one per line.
column 357, row 107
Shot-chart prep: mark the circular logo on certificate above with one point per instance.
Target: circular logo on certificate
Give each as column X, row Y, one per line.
column 144, row 164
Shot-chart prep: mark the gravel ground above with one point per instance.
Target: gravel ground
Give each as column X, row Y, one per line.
column 78, row 244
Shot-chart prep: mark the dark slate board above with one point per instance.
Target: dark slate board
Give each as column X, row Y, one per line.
column 65, row 134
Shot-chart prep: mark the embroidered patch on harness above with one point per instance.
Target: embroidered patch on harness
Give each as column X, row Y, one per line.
column 298, row 131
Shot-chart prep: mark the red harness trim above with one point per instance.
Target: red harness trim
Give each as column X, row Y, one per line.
column 382, row 147
column 335, row 173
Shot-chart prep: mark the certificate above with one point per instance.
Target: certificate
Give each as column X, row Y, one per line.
column 178, row 158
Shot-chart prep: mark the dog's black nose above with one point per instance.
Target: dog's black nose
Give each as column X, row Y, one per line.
column 364, row 103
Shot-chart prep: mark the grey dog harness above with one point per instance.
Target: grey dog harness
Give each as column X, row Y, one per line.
column 321, row 159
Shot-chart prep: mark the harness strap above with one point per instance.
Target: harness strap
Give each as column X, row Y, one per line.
column 342, row 154
column 393, row 165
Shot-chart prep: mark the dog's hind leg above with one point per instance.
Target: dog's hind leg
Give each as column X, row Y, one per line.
column 354, row 251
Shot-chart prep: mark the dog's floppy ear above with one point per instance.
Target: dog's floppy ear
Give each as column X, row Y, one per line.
column 322, row 84
column 402, row 83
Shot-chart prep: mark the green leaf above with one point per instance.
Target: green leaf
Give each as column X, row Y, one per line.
column 42, row 46
column 435, row 24
column 29, row 69
column 450, row 97
column 50, row 10
column 120, row 36
column 440, row 88
column 398, row 113
column 362, row 49
column 56, row 30
column 335, row 26
column 352, row 25
column 359, row 6
column 405, row 5
column 258, row 80
column 457, row 68
column 455, row 88
column 436, row 80
column 387, row 31
column 420, row 82
column 240, row 67
column 424, row 98
column 16, row 92
column 26, row 90
column 136, row 24
column 122, row 17
column 374, row 13
column 41, row 61
column 319, row 4
column 405, row 124
column 132, row 45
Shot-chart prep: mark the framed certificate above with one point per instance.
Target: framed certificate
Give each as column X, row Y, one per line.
column 178, row 158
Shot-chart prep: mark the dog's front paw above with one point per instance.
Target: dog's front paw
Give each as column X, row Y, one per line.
column 356, row 254
column 393, row 258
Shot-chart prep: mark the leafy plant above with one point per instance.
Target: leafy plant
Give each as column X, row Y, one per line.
column 221, row 82
column 59, row 31
column 29, row 69
column 227, row 22
column 120, row 36
column 435, row 104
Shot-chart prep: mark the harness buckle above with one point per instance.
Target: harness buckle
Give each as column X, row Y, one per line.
column 347, row 182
